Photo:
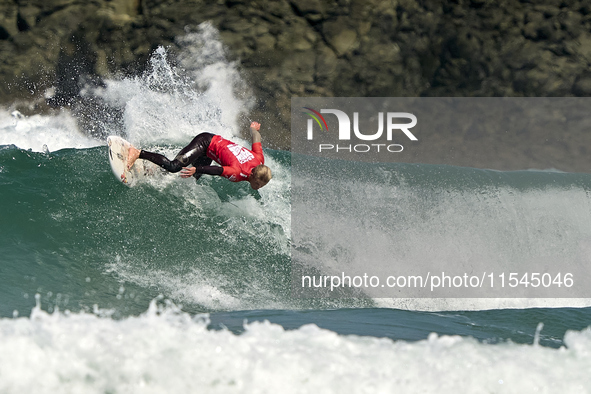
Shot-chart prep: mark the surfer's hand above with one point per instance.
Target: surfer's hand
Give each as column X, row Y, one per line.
column 187, row 172
column 255, row 125
column 254, row 130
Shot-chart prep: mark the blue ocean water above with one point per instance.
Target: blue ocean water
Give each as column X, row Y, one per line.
column 177, row 286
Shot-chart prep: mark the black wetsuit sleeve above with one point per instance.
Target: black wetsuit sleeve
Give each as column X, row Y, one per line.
column 209, row 170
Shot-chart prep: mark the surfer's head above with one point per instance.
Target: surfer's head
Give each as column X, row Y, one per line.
column 260, row 176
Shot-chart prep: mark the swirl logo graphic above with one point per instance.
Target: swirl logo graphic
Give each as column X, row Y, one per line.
column 317, row 117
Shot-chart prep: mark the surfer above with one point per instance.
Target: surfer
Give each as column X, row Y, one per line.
column 237, row 162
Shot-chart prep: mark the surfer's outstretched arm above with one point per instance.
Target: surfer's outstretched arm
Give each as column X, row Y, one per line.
column 188, row 172
column 254, row 130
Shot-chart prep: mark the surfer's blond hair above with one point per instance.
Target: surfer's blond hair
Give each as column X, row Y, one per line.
column 262, row 173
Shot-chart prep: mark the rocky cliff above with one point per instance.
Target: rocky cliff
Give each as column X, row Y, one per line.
column 291, row 48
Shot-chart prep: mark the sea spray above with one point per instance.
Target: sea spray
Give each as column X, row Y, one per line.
column 174, row 100
column 164, row 349
column 42, row 133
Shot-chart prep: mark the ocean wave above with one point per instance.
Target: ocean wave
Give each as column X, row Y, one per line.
column 165, row 350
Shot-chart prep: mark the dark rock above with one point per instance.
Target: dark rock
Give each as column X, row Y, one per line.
column 340, row 36
column 8, row 20
column 303, row 47
column 582, row 86
column 326, row 64
column 571, row 22
column 311, row 9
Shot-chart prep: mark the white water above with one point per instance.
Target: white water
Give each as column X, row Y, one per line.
column 389, row 229
column 171, row 105
column 167, row 351
column 42, row 132
column 166, row 105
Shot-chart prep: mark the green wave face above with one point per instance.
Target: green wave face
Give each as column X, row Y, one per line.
column 72, row 233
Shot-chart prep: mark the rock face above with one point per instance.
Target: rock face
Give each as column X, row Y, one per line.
column 309, row 47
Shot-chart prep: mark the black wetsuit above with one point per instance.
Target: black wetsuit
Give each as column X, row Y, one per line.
column 194, row 154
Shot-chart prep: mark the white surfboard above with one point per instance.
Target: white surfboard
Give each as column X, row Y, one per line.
column 118, row 152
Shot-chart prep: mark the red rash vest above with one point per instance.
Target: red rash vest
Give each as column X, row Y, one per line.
column 237, row 161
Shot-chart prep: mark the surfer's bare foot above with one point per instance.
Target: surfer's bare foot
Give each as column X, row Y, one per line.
column 132, row 156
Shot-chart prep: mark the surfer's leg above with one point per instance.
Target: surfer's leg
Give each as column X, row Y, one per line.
column 196, row 150
column 132, row 155
column 161, row 160
column 189, row 154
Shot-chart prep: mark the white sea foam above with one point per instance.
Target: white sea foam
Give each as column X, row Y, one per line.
column 165, row 350
column 192, row 287
column 171, row 104
column 42, row 132
column 386, row 229
column 167, row 104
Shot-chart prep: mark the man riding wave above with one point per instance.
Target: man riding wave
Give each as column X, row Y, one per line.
column 237, row 163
